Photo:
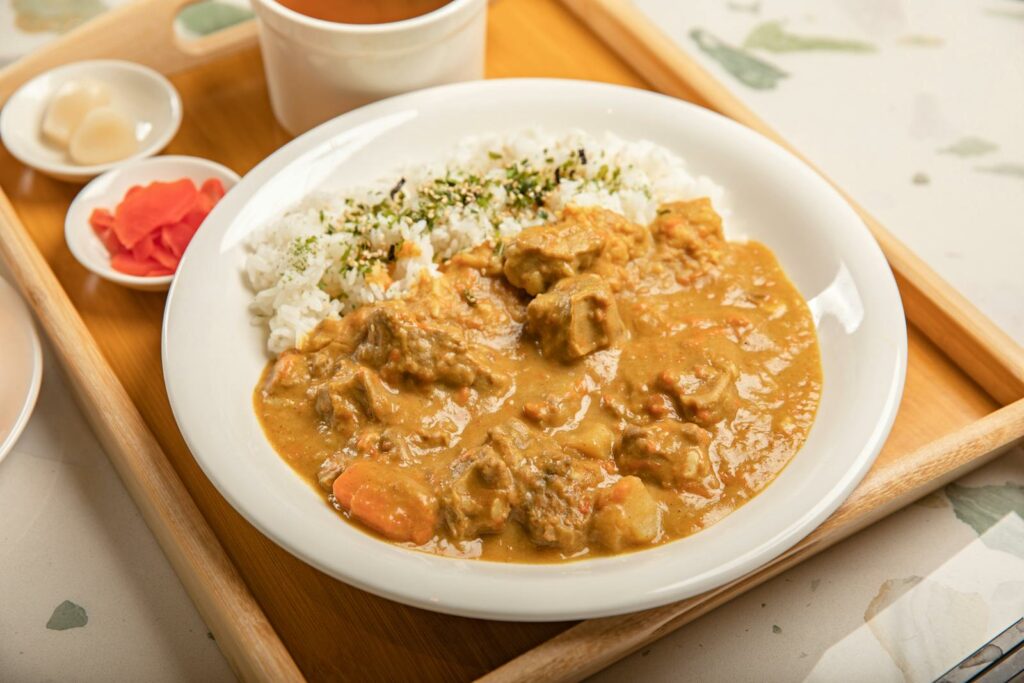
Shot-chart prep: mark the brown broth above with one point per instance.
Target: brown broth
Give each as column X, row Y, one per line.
column 363, row 11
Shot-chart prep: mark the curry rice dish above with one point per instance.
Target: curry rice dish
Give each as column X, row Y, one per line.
column 538, row 349
column 588, row 387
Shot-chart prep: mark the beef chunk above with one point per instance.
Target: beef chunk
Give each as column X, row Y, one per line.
column 692, row 228
column 326, row 361
column 540, row 256
column 584, row 238
column 624, row 240
column 356, row 395
column 403, row 347
column 626, row 515
column 330, row 468
column 554, row 488
column 516, row 443
column 705, row 397
column 557, row 500
column 479, row 498
column 290, row 370
column 342, row 335
column 673, row 454
column 576, row 317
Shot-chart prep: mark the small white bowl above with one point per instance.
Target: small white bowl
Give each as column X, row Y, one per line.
column 109, row 189
column 140, row 92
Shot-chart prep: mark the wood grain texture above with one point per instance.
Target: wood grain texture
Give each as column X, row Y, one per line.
column 984, row 351
column 243, row 632
column 141, row 31
column 335, row 632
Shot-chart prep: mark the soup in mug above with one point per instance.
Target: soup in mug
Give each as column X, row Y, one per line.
column 363, row 11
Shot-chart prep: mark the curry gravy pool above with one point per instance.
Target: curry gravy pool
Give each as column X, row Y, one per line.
column 591, row 387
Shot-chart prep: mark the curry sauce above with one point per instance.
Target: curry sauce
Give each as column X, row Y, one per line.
column 592, row 387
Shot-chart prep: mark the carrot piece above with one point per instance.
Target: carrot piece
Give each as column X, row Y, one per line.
column 143, row 211
column 387, row 500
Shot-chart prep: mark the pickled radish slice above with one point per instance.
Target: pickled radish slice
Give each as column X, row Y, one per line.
column 159, row 203
column 104, row 135
column 70, row 105
column 148, row 232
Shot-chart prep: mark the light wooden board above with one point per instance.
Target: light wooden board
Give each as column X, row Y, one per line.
column 335, row 632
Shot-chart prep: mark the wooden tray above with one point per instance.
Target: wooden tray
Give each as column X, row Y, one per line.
column 266, row 607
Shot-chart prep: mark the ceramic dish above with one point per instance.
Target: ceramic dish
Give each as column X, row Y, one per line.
column 138, row 91
column 107, row 191
column 213, row 355
column 21, row 367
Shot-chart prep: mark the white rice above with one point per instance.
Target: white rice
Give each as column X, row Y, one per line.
column 317, row 261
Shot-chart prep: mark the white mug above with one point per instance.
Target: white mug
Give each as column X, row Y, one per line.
column 318, row 69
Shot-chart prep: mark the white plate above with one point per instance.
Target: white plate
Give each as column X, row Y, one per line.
column 139, row 91
column 107, row 191
column 213, row 356
column 21, row 367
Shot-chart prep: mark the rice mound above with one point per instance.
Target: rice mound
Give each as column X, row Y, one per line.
column 334, row 253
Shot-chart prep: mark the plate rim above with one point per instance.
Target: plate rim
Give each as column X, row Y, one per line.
column 32, row 396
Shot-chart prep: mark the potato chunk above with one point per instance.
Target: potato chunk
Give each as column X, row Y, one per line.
column 404, row 347
column 480, row 496
column 577, row 317
column 356, row 395
column 626, row 515
column 705, row 397
column 673, row 454
column 591, row 439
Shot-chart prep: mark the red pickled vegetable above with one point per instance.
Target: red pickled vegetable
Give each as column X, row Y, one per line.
column 143, row 249
column 125, row 263
column 164, row 257
column 177, row 236
column 101, row 218
column 141, row 212
column 148, row 232
column 213, row 189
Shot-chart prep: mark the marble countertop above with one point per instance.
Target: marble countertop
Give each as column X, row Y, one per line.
column 914, row 106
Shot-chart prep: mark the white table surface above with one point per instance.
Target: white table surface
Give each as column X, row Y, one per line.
column 902, row 600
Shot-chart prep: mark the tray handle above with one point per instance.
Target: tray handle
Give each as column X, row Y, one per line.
column 141, row 31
